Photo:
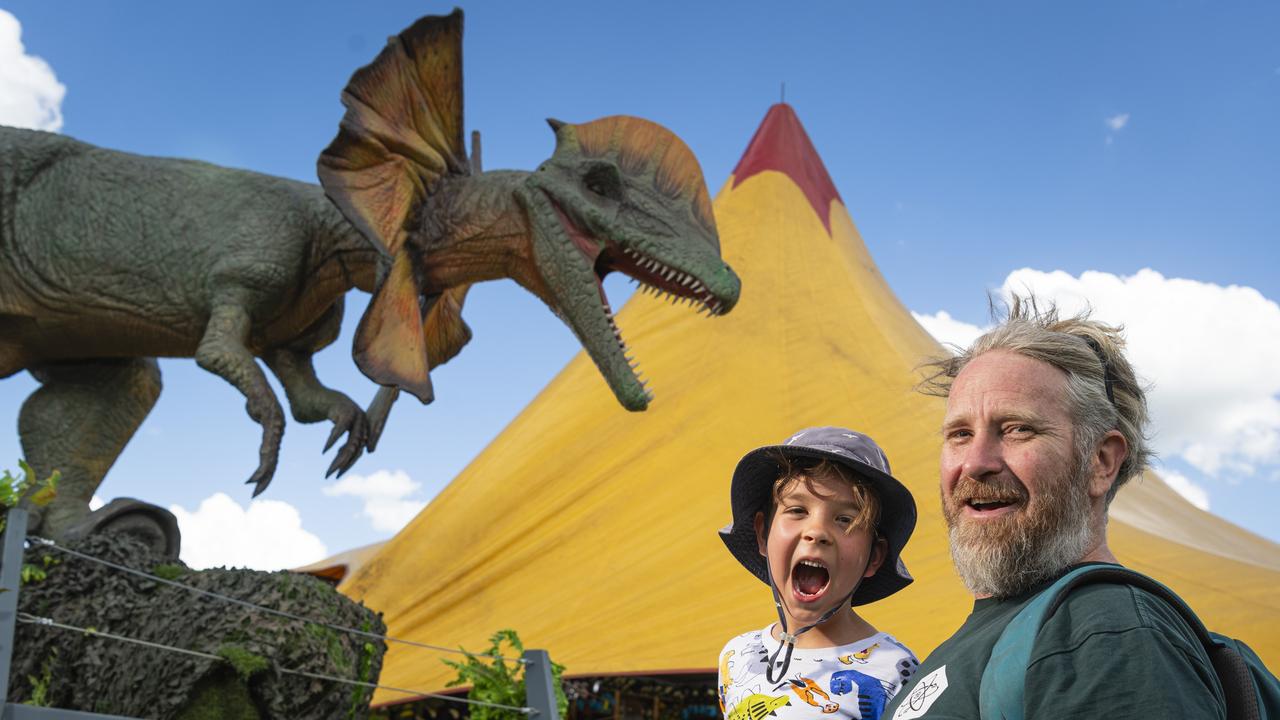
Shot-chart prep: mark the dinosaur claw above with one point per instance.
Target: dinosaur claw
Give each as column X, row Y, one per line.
column 347, row 419
column 259, row 485
column 377, row 415
column 345, row 459
column 333, row 437
column 262, row 476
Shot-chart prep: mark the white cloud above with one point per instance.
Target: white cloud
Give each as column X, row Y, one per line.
column 947, row 330
column 1117, row 122
column 267, row 536
column 1193, row 493
column 385, row 496
column 96, row 502
column 1211, row 354
column 30, row 94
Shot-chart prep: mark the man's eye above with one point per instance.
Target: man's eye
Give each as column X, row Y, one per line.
column 1019, row 429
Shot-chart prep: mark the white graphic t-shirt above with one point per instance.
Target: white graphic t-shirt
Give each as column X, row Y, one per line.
column 849, row 681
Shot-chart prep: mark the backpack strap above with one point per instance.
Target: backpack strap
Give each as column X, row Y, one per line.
column 1000, row 696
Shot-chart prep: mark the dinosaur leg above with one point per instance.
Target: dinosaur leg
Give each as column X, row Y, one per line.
column 223, row 352
column 78, row 422
column 312, row 402
column 309, row 399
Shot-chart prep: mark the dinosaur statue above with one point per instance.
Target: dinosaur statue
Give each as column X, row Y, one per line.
column 108, row 260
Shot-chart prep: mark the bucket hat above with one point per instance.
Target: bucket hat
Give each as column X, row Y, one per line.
column 752, row 486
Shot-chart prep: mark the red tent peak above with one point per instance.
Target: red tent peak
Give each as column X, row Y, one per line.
column 781, row 144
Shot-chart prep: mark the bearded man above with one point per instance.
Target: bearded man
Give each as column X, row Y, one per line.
column 1045, row 421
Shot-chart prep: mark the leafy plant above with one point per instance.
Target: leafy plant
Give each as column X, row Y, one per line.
column 501, row 682
column 32, row 573
column 14, row 490
column 40, row 685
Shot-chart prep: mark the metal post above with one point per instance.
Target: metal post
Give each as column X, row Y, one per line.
column 539, row 686
column 15, row 535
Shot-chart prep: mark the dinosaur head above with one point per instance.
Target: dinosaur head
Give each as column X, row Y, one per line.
column 621, row 193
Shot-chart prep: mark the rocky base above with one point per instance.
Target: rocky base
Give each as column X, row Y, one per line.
column 80, row 671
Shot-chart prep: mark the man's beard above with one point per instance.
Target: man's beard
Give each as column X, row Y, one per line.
column 1009, row 555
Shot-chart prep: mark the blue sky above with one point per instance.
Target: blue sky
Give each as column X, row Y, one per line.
column 1124, row 153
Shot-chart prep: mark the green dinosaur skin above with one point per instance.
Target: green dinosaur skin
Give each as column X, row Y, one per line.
column 108, row 260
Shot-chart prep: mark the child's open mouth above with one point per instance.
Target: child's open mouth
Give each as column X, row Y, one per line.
column 809, row 580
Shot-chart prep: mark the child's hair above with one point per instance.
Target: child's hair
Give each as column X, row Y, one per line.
column 806, row 470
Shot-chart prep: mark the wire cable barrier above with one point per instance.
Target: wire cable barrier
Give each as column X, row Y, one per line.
column 48, row 622
column 44, row 542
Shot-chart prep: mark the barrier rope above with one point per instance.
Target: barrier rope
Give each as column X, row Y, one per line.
column 45, row 542
column 49, row 622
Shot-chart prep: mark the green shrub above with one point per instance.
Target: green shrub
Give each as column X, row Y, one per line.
column 498, row 681
column 14, row 490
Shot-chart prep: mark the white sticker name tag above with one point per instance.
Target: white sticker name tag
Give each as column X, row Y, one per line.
column 923, row 693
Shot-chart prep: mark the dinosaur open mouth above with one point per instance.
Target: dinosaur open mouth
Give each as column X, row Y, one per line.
column 656, row 278
column 652, row 276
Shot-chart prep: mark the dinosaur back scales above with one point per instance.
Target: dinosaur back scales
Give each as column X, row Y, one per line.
column 119, row 255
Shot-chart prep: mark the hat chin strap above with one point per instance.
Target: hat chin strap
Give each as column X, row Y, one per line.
column 789, row 639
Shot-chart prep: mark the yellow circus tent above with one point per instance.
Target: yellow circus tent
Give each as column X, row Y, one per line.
column 592, row 531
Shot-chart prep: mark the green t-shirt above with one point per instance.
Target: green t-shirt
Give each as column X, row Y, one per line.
column 1110, row 651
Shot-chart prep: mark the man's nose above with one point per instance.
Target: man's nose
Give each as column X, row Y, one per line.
column 982, row 456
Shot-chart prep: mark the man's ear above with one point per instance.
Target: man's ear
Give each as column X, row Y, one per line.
column 1107, row 458
column 878, row 552
column 760, row 533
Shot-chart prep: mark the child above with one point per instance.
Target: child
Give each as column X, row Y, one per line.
column 822, row 522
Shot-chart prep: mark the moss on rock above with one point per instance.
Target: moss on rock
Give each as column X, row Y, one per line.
column 253, row 650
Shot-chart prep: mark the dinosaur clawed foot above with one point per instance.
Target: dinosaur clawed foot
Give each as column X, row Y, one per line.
column 262, row 476
column 351, row 420
column 266, row 412
column 268, row 457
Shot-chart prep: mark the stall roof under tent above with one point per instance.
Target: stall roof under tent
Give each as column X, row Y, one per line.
column 592, row 531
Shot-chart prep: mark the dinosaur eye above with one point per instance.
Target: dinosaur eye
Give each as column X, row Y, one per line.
column 603, row 180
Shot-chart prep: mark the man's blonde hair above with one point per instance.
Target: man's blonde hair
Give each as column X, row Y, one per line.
column 1103, row 393
column 807, row 470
